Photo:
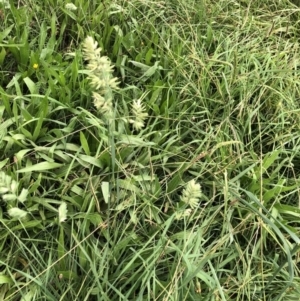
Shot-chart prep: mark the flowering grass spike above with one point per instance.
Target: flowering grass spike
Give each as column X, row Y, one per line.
column 101, row 78
column 70, row 6
column 182, row 214
column 139, row 115
column 191, row 194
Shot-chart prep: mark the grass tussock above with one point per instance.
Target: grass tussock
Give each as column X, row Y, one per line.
column 149, row 150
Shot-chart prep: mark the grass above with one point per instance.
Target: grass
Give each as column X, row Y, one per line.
column 188, row 189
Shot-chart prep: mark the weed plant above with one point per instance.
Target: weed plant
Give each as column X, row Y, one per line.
column 149, row 150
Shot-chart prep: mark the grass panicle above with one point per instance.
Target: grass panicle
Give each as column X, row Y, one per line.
column 101, row 79
column 191, row 194
column 138, row 115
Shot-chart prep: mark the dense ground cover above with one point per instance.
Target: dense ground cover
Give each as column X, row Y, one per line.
column 177, row 181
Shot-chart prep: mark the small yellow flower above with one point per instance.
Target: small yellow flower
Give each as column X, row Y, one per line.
column 35, row 66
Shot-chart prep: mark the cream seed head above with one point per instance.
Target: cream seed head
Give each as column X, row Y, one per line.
column 138, row 115
column 101, row 78
column 70, row 6
column 191, row 194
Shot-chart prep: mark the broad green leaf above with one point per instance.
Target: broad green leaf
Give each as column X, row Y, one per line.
column 23, row 195
column 148, row 56
column 69, row 146
column 22, row 153
column 11, row 45
column 5, row 32
column 206, row 278
column 133, row 217
column 242, row 173
column 2, row 110
column 62, row 212
column 17, row 213
column 147, row 70
column 122, row 67
column 90, row 160
column 30, row 85
column 3, row 163
column 176, row 180
column 105, row 191
column 24, row 51
column 28, row 225
column 221, row 144
column 42, row 113
column 133, row 140
column 270, row 158
column 26, row 133
column 2, row 56
column 5, row 279
column 42, row 36
column 128, row 185
column 156, row 94
column 69, row 13
column 84, row 144
column 152, row 70
column 289, row 210
column 13, row 185
column 94, row 218
column 4, row 190
column 142, row 66
column 27, row 116
column 40, row 166
column 36, row 184
column 30, row 294
column 9, row 197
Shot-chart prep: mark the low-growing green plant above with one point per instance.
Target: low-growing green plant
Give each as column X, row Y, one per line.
column 173, row 175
